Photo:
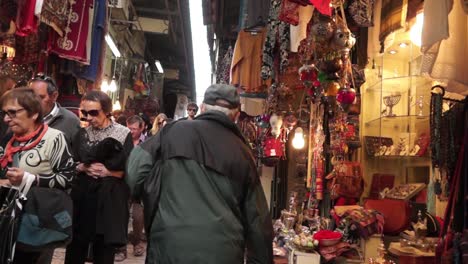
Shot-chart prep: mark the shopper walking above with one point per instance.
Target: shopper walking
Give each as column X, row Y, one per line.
column 55, row 116
column 100, row 195
column 158, row 123
column 37, row 152
column 137, row 126
column 203, row 201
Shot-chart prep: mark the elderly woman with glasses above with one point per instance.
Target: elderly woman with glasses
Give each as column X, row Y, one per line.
column 35, row 153
column 100, row 195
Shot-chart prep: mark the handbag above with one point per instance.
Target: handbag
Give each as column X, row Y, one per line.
column 46, row 221
column 12, row 200
column 346, row 180
column 9, row 215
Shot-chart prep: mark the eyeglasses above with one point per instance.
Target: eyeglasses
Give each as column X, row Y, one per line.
column 93, row 112
column 10, row 112
column 191, row 110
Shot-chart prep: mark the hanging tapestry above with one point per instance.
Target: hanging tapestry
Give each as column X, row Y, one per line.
column 26, row 21
column 27, row 49
column 72, row 45
column 55, row 14
column 224, row 66
column 277, row 35
column 90, row 72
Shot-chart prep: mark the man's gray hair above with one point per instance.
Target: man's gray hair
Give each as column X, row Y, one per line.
column 231, row 113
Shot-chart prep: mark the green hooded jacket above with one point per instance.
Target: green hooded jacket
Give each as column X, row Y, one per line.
column 202, row 195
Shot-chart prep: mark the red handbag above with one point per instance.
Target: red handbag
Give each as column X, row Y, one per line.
column 396, row 214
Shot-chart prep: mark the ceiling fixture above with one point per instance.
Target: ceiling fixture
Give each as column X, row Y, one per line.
column 392, row 52
column 403, row 45
column 159, row 66
column 105, row 85
column 110, row 42
column 116, row 106
column 416, row 30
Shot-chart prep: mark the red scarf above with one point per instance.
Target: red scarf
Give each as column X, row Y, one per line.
column 10, row 150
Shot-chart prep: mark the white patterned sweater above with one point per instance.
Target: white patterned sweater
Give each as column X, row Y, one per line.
column 50, row 161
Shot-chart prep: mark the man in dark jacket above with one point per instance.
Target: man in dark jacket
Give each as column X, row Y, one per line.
column 202, row 195
column 54, row 115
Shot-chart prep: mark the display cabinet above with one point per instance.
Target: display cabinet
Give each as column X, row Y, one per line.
column 395, row 115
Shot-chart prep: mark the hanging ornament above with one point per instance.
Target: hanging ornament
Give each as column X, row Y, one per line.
column 322, row 28
column 308, row 74
column 322, row 77
column 346, row 96
column 331, row 67
column 331, row 88
column 343, row 39
column 276, row 122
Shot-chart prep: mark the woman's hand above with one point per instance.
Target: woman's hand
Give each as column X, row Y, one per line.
column 98, row 170
column 5, row 182
column 15, row 175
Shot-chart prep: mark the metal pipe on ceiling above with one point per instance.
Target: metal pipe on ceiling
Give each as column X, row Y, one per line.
column 171, row 24
column 184, row 42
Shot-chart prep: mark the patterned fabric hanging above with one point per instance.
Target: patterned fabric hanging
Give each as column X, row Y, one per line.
column 277, row 35
column 224, row 66
column 72, row 45
column 55, row 14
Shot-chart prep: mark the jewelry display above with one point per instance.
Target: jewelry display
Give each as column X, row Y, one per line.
column 405, row 191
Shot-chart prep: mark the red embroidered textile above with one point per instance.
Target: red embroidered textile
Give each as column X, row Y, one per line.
column 26, row 21
column 323, row 6
column 72, row 45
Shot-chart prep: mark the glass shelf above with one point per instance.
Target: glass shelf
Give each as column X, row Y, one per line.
column 399, row 84
column 398, row 120
column 406, row 157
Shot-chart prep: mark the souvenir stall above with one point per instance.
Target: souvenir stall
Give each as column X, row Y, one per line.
column 350, row 110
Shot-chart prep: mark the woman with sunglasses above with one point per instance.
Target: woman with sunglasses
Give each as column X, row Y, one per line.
column 35, row 152
column 99, row 194
column 158, row 123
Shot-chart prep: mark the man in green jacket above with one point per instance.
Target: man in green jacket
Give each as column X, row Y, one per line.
column 202, row 195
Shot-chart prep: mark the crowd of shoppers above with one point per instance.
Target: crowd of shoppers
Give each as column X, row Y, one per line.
column 200, row 203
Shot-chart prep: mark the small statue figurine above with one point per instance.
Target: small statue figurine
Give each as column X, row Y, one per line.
column 420, row 227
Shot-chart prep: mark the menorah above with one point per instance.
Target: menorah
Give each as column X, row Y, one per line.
column 390, row 101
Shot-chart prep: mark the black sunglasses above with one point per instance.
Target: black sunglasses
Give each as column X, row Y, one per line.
column 10, row 112
column 93, row 112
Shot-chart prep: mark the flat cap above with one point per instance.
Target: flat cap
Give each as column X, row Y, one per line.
column 228, row 93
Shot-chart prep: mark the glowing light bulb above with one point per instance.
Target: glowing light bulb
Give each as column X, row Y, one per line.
column 113, row 86
column 298, row 141
column 416, row 30
column 105, row 85
column 116, row 106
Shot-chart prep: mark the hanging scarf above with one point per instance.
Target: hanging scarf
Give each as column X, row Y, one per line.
column 10, row 150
